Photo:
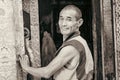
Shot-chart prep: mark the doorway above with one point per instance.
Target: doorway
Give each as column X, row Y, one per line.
column 49, row 14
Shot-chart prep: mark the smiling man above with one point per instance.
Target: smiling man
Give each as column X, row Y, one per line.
column 73, row 60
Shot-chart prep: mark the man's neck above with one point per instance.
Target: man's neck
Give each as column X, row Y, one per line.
column 65, row 37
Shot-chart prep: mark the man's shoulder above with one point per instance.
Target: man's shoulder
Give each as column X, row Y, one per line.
column 74, row 43
column 68, row 48
column 73, row 47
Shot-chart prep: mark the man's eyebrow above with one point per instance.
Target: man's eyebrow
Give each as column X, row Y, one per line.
column 69, row 17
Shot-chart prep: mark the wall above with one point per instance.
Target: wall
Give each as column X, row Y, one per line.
column 11, row 39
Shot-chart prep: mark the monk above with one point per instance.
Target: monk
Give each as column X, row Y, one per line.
column 73, row 60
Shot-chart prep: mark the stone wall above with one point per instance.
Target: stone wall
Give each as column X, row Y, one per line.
column 11, row 39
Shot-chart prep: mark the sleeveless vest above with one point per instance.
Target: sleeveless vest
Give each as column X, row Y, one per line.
column 82, row 69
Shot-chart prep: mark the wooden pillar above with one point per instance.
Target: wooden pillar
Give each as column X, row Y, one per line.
column 116, row 26
column 103, row 40
column 31, row 8
column 35, row 36
column 97, row 40
column 11, row 39
column 107, row 40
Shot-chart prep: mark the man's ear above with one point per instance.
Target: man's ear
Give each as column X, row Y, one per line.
column 80, row 22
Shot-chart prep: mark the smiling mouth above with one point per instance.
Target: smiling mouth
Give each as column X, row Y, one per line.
column 64, row 29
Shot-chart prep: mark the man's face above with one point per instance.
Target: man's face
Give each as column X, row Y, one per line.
column 67, row 22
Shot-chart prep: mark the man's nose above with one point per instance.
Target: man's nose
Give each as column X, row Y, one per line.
column 64, row 23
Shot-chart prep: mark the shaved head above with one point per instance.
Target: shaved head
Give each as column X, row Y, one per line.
column 74, row 8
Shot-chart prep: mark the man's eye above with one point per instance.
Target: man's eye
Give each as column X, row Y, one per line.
column 69, row 19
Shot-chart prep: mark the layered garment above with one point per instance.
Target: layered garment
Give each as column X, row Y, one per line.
column 84, row 68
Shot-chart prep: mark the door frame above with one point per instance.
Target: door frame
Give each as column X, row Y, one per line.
column 97, row 42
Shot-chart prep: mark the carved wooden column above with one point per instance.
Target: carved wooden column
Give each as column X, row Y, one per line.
column 11, row 39
column 35, row 40
column 30, row 7
column 116, row 23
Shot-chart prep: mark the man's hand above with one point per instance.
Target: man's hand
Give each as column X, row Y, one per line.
column 24, row 61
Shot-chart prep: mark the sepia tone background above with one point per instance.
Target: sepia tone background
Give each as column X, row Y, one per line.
column 22, row 19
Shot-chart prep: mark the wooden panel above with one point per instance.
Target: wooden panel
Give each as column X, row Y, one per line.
column 107, row 40
column 103, row 40
column 116, row 24
column 97, row 40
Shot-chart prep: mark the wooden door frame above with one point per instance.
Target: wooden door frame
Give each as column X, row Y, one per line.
column 97, row 46
column 103, row 38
